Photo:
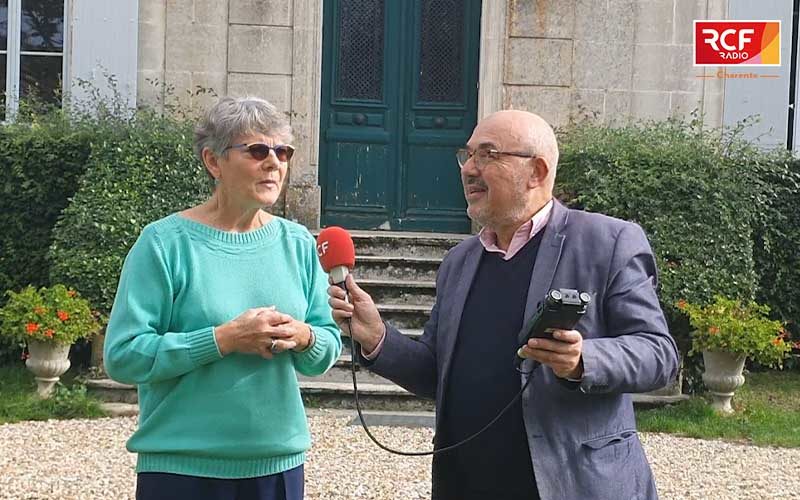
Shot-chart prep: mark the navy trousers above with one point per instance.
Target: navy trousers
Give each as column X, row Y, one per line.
column 286, row 485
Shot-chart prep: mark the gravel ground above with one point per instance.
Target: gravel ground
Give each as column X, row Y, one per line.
column 86, row 459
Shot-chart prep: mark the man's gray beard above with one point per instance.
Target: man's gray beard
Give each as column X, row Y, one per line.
column 517, row 214
column 477, row 218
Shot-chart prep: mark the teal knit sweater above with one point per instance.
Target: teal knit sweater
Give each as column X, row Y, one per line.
column 202, row 414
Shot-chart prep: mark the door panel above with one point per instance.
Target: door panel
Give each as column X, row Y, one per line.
column 357, row 109
column 360, row 49
column 358, row 185
column 440, row 111
column 399, row 97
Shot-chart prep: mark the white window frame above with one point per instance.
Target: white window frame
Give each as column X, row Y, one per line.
column 14, row 55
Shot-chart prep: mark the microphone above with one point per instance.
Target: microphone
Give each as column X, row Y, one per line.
column 337, row 254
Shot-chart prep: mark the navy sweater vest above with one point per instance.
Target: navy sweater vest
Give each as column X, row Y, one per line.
column 483, row 380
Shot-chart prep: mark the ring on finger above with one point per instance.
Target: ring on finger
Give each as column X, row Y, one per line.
column 273, row 348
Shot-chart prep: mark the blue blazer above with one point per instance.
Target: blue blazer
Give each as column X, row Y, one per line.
column 582, row 436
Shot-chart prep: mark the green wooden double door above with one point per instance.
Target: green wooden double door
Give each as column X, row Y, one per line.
column 399, row 96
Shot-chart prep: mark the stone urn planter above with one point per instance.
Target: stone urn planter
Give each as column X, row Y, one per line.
column 727, row 331
column 722, row 376
column 48, row 361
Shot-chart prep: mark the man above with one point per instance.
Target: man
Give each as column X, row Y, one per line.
column 573, row 436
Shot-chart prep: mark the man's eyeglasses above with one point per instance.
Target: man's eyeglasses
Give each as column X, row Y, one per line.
column 259, row 151
column 484, row 156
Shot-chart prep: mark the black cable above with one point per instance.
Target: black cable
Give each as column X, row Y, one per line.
column 354, row 357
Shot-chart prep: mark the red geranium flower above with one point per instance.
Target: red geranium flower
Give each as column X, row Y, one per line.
column 32, row 327
column 63, row 315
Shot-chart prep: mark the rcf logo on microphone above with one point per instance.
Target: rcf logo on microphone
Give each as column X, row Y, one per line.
column 322, row 248
column 737, row 43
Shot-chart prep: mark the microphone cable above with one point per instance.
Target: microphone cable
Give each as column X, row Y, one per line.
column 354, row 357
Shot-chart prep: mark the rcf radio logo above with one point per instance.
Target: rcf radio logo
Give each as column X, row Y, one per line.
column 737, row 43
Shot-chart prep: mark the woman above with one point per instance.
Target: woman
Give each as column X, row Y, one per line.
column 217, row 306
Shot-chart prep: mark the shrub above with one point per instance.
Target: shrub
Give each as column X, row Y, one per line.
column 55, row 314
column 777, row 238
column 41, row 159
column 672, row 179
column 142, row 172
column 737, row 327
column 44, row 153
column 41, row 163
column 691, row 191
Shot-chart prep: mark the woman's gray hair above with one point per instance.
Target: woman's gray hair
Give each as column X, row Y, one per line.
column 233, row 117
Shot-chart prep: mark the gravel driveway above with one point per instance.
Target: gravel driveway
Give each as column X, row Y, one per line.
column 86, row 459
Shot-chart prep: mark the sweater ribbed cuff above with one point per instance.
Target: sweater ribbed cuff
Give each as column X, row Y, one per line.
column 316, row 350
column 203, row 347
column 311, row 339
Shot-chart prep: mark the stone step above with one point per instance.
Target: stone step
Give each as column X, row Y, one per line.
column 396, row 419
column 109, row 391
column 407, row 244
column 397, row 401
column 400, row 291
column 380, row 267
column 337, row 381
column 651, row 400
column 120, row 409
column 374, row 396
column 405, row 316
column 413, row 333
column 346, row 388
column 341, row 373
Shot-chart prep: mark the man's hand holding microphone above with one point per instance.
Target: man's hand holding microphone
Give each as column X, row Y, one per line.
column 337, row 256
column 368, row 328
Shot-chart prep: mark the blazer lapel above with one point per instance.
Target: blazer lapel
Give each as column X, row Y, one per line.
column 546, row 261
column 452, row 318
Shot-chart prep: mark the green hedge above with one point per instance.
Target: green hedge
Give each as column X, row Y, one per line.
column 41, row 162
column 40, row 168
column 692, row 193
column 777, row 249
column 142, row 172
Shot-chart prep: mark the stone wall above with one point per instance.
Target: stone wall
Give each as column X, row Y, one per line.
column 616, row 60
column 240, row 48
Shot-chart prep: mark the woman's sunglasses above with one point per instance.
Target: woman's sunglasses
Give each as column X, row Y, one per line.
column 259, row 151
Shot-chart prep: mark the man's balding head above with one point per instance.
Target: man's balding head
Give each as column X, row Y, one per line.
column 526, row 132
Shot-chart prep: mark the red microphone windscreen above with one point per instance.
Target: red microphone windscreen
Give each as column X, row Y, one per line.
column 335, row 248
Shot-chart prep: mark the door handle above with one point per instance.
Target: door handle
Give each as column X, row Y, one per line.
column 359, row 119
column 438, row 122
